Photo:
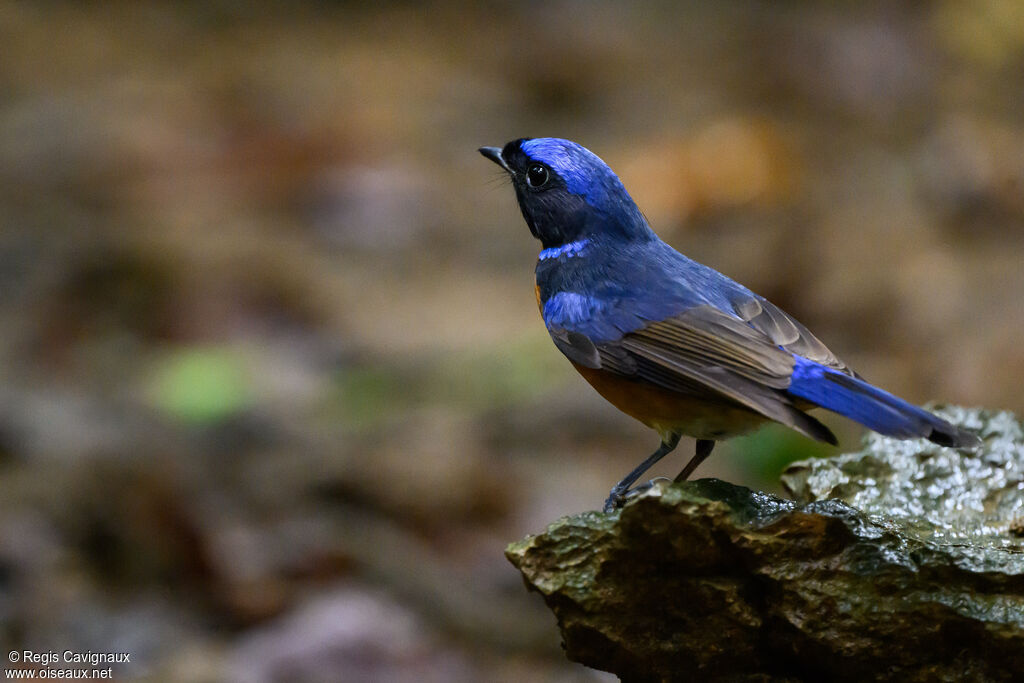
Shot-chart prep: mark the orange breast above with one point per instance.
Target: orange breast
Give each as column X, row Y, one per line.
column 669, row 411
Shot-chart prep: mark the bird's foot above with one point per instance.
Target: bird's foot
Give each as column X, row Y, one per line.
column 618, row 497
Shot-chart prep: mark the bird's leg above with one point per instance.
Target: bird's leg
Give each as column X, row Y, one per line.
column 704, row 447
column 618, row 493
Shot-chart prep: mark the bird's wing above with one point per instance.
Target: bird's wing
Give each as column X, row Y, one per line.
column 577, row 347
column 702, row 352
column 787, row 332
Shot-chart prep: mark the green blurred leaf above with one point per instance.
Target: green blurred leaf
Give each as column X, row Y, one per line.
column 201, row 385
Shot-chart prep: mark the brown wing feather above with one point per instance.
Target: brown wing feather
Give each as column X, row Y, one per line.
column 712, row 338
column 787, row 332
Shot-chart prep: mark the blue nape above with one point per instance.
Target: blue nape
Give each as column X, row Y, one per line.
column 569, row 249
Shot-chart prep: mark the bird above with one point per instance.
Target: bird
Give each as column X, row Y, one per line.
column 669, row 341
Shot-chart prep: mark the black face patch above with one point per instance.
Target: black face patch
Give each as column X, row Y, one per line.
column 557, row 215
column 514, row 155
column 553, row 214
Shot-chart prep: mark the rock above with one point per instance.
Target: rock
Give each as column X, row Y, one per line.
column 912, row 570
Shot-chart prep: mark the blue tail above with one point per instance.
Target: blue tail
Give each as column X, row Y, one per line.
column 872, row 407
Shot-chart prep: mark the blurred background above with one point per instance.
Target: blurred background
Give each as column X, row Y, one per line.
column 274, row 392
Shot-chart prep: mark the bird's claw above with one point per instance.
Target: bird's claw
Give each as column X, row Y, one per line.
column 618, row 498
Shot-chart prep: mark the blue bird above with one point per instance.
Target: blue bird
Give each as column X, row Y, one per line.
column 669, row 341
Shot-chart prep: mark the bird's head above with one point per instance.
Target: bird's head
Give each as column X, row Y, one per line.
column 566, row 193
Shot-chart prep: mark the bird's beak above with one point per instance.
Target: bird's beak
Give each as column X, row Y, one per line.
column 494, row 154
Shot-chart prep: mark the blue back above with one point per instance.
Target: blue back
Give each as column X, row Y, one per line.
column 614, row 287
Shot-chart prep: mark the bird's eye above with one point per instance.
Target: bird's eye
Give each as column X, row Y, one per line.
column 536, row 175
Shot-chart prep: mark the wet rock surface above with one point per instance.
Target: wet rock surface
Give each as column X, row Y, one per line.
column 900, row 562
column 932, row 493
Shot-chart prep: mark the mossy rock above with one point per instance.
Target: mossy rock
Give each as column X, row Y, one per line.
column 904, row 561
